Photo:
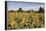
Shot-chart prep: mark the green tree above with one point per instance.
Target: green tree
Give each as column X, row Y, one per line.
column 20, row 10
column 41, row 10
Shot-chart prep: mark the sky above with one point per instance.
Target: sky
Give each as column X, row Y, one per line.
column 13, row 5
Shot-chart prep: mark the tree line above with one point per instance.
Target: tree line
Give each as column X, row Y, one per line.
column 41, row 10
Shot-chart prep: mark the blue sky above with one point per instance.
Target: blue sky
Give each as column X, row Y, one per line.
column 12, row 5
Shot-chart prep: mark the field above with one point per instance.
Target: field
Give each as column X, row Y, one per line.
column 22, row 20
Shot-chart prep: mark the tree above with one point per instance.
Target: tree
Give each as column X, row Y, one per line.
column 41, row 10
column 20, row 10
column 11, row 11
column 28, row 11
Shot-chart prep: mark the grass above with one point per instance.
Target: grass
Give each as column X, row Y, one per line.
column 22, row 20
